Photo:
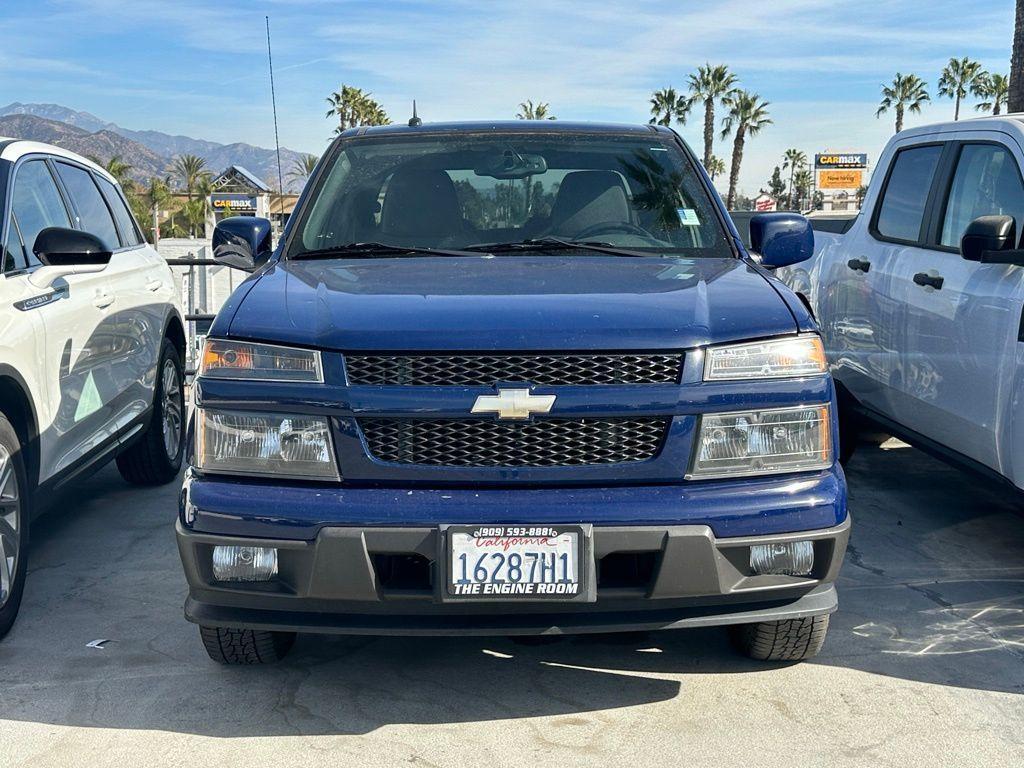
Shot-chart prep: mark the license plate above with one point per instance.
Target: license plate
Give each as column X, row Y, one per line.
column 488, row 562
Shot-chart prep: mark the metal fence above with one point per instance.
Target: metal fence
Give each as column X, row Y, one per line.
column 202, row 297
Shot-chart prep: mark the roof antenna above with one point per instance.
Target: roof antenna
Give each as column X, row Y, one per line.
column 273, row 101
column 414, row 120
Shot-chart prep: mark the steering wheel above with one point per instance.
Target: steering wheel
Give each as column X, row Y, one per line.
column 610, row 227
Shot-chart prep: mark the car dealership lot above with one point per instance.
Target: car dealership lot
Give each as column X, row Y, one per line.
column 924, row 664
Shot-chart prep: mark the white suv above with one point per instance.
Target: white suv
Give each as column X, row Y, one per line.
column 91, row 343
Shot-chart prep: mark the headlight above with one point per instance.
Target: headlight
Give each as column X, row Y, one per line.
column 224, row 359
column 771, row 359
column 244, row 443
column 763, row 442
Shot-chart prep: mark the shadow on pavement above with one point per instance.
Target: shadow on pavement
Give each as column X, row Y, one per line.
column 933, row 584
column 932, row 591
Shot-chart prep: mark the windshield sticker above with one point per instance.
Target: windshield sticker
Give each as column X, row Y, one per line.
column 688, row 217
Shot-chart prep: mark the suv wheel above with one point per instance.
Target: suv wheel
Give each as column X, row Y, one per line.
column 246, row 646
column 787, row 640
column 155, row 458
column 13, row 525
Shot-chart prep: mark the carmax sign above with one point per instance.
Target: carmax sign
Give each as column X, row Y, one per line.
column 233, row 203
column 856, row 160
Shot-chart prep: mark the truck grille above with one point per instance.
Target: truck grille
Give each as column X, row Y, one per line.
column 485, row 370
column 485, row 443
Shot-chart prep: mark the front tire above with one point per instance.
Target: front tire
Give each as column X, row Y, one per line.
column 246, row 646
column 155, row 458
column 786, row 640
column 14, row 519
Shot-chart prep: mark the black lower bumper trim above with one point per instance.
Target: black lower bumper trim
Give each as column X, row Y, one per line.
column 820, row 600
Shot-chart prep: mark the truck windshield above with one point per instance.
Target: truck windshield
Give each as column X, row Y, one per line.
column 470, row 190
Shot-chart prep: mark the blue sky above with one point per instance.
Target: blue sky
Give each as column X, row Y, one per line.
column 199, row 67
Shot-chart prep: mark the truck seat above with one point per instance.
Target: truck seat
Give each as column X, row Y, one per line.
column 586, row 199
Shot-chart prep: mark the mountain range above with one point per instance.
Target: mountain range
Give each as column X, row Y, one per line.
column 149, row 153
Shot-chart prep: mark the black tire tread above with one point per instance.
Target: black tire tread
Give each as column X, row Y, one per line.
column 146, row 462
column 786, row 640
column 10, row 611
column 245, row 646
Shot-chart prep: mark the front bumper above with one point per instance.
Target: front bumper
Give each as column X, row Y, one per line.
column 343, row 580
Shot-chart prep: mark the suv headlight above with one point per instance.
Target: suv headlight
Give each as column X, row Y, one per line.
column 223, row 359
column 763, row 442
column 770, row 359
column 244, row 443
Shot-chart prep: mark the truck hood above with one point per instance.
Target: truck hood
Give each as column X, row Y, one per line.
column 510, row 303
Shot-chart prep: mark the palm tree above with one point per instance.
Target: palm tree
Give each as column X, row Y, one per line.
column 198, row 209
column 119, row 169
column 302, row 168
column 994, row 90
column 748, row 115
column 801, row 183
column 667, row 105
column 530, row 111
column 189, row 170
column 710, row 84
column 907, row 93
column 1015, row 99
column 715, row 167
column 345, row 104
column 795, row 161
column 156, row 195
column 960, row 77
column 354, row 107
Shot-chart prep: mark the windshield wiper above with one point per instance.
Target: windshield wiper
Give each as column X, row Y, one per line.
column 556, row 243
column 369, row 250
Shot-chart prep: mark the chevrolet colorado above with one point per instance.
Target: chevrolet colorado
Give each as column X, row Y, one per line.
column 511, row 378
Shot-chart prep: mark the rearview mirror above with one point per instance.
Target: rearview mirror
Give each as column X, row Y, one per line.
column 781, row 239
column 64, row 252
column 987, row 234
column 242, row 242
column 511, row 165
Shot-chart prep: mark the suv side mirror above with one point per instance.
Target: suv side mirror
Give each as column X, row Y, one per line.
column 242, row 242
column 781, row 239
column 987, row 234
column 64, row 252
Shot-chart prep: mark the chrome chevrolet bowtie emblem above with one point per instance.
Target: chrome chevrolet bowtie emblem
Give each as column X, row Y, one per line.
column 513, row 404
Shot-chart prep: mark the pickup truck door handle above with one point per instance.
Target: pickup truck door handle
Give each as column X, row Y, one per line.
column 859, row 265
column 923, row 278
column 154, row 285
column 103, row 300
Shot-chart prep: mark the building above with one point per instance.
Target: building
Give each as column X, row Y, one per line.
column 239, row 192
column 281, row 208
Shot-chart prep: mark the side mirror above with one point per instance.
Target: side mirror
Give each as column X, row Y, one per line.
column 242, row 242
column 64, row 252
column 988, row 233
column 781, row 239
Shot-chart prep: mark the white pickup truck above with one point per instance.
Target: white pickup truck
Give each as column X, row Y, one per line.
column 920, row 300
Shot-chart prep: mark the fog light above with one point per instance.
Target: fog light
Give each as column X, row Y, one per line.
column 794, row 558
column 244, row 563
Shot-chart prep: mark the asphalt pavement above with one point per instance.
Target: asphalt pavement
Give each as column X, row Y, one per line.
column 924, row 665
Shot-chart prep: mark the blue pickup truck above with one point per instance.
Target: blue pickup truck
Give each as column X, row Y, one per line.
column 511, row 378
